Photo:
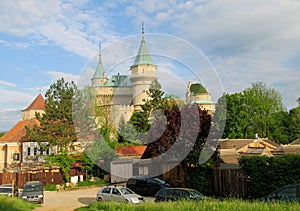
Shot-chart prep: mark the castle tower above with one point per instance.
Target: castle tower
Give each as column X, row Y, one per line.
column 100, row 76
column 143, row 73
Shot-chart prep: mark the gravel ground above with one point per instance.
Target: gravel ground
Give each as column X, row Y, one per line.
column 71, row 199
column 68, row 200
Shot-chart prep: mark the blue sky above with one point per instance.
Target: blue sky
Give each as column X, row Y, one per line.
column 241, row 42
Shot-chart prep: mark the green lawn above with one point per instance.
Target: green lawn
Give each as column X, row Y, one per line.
column 15, row 204
column 209, row 205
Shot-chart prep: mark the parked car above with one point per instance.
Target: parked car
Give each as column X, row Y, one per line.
column 33, row 192
column 118, row 194
column 146, row 186
column 174, row 194
column 285, row 193
column 8, row 190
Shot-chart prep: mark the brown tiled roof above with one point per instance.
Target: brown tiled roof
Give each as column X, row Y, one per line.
column 37, row 104
column 296, row 142
column 234, row 143
column 291, row 149
column 18, row 131
column 229, row 156
column 131, row 150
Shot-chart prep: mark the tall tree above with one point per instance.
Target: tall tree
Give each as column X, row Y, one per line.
column 56, row 125
column 249, row 112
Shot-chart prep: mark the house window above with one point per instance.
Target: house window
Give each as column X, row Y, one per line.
column 41, row 150
column 143, row 170
column 47, row 151
column 16, row 156
column 144, row 100
column 28, row 151
column 34, row 151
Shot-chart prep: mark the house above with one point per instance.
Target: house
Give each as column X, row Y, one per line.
column 14, row 151
column 231, row 149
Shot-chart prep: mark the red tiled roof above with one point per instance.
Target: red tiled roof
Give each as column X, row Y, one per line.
column 131, row 150
column 37, row 104
column 18, row 131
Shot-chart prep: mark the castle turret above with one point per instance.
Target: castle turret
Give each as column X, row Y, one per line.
column 143, row 73
column 100, row 76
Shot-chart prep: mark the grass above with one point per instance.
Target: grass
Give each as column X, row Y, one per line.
column 15, row 204
column 209, row 205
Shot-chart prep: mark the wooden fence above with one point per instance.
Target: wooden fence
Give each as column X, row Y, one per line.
column 46, row 177
column 228, row 183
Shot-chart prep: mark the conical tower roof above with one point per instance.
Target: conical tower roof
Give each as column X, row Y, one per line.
column 143, row 55
column 99, row 72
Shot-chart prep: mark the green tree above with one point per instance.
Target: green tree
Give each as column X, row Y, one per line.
column 249, row 112
column 56, row 124
column 295, row 123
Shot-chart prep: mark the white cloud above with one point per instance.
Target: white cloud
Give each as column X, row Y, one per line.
column 5, row 83
column 55, row 75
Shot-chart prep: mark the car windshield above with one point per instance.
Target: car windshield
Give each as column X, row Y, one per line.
column 194, row 193
column 5, row 190
column 125, row 191
column 31, row 188
column 159, row 180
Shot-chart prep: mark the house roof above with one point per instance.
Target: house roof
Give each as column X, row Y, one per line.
column 37, row 104
column 131, row 150
column 18, row 130
column 296, row 142
column 240, row 143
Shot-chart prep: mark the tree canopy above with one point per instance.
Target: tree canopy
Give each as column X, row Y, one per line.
column 256, row 110
column 56, row 124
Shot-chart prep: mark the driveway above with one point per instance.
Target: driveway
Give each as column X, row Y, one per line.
column 68, row 200
column 71, row 199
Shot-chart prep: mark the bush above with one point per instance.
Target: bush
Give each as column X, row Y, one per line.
column 15, row 204
column 270, row 173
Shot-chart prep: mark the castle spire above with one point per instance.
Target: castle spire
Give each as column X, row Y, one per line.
column 99, row 72
column 143, row 56
column 99, row 76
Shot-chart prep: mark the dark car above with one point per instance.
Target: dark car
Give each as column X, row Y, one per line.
column 33, row 192
column 8, row 190
column 175, row 194
column 146, row 186
column 286, row 193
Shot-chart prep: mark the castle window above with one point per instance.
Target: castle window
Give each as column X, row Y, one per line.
column 144, row 100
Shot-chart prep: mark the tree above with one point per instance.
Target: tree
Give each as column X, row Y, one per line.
column 294, row 124
column 56, row 124
column 249, row 112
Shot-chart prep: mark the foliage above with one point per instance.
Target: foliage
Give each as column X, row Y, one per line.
column 64, row 161
column 56, row 125
column 252, row 111
column 207, row 204
column 270, row 173
column 16, row 204
column 2, row 134
column 88, row 183
column 295, row 123
column 101, row 153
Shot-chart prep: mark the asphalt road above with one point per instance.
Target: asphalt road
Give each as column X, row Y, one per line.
column 70, row 200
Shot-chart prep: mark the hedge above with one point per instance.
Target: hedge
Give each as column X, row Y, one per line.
column 270, row 173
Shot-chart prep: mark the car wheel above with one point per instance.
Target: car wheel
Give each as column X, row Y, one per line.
column 100, row 199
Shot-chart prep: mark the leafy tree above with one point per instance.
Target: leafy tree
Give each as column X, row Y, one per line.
column 295, row 123
column 2, row 134
column 249, row 112
column 56, row 125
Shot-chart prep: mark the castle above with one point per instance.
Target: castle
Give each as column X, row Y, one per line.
column 121, row 95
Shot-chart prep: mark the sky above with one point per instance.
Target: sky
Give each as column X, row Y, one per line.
column 225, row 45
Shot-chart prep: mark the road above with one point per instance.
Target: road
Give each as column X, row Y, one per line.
column 71, row 199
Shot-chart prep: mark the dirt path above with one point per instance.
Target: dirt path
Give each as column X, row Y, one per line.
column 68, row 200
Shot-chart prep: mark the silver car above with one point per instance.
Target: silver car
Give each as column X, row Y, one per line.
column 119, row 194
